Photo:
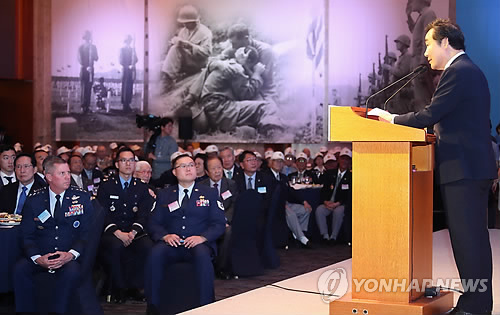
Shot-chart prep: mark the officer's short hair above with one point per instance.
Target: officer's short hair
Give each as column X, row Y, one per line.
column 140, row 165
column 50, row 162
column 174, row 162
column 31, row 157
column 165, row 121
column 213, row 157
column 124, row 149
column 243, row 155
column 444, row 28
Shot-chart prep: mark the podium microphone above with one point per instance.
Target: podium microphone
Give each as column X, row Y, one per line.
column 417, row 71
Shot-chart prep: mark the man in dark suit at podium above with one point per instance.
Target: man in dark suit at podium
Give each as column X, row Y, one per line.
column 465, row 166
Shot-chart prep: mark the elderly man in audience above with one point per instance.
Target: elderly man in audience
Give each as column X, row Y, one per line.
column 297, row 210
column 54, row 230
column 199, row 161
column 7, row 157
column 13, row 196
column 302, row 175
column 228, row 163
column 40, row 156
column 143, row 171
column 211, row 150
column 228, row 193
column 90, row 170
column 186, row 222
column 289, row 162
column 336, row 196
column 76, row 168
column 128, row 204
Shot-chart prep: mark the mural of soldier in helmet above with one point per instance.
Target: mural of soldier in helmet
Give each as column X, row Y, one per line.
column 189, row 48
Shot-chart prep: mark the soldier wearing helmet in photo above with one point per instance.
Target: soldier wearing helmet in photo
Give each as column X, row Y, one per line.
column 401, row 103
column 189, row 48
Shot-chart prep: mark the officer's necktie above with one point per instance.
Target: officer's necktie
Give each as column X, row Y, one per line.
column 9, row 179
column 339, row 178
column 230, row 174
column 185, row 199
column 22, row 199
column 57, row 206
column 216, row 186
column 278, row 177
column 249, row 185
column 125, row 186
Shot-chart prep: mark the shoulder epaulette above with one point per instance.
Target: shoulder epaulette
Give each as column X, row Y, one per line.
column 38, row 191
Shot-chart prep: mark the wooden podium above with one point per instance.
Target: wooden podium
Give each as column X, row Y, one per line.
column 391, row 216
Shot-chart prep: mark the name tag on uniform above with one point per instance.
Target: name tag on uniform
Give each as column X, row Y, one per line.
column 226, row 195
column 261, row 190
column 97, row 180
column 44, row 216
column 345, row 186
column 113, row 197
column 90, row 188
column 173, row 206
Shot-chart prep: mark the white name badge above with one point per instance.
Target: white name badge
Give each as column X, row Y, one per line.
column 261, row 190
column 113, row 197
column 97, row 180
column 173, row 206
column 44, row 216
column 226, row 195
column 345, row 186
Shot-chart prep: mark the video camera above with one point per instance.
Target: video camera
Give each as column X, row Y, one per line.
column 150, row 122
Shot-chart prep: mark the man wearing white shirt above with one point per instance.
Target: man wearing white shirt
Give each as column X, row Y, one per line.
column 7, row 156
column 54, row 229
column 76, row 168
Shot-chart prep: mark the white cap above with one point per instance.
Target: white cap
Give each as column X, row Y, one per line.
column 80, row 150
column 268, row 154
column 323, row 149
column 135, row 147
column 278, row 156
column 289, row 151
column 346, row 151
column 113, row 145
column 177, row 154
column 62, row 150
column 87, row 149
column 211, row 149
column 257, row 154
column 38, row 144
column 46, row 148
column 197, row 151
column 18, row 147
column 336, row 149
column 329, row 157
column 302, row 155
column 94, row 147
column 318, row 154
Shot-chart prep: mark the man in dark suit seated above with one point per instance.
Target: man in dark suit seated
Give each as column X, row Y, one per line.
column 127, row 204
column 297, row 210
column 75, row 167
column 90, row 171
column 40, row 156
column 13, row 196
column 336, row 196
column 187, row 220
column 230, row 168
column 302, row 174
column 228, row 192
column 54, row 228
column 7, row 157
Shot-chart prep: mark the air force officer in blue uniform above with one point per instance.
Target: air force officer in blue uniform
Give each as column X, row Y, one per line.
column 186, row 221
column 465, row 165
column 54, row 228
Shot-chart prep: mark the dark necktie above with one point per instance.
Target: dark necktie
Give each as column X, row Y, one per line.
column 9, row 179
column 22, row 199
column 185, row 199
column 58, row 205
column 125, row 186
column 249, row 185
column 216, row 186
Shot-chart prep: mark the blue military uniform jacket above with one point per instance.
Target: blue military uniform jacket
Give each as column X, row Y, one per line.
column 68, row 229
column 125, row 211
column 203, row 216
